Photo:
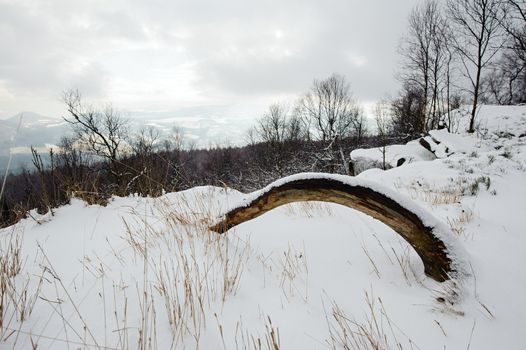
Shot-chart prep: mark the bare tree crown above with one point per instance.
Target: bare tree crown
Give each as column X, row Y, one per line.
column 478, row 38
column 99, row 131
column 330, row 110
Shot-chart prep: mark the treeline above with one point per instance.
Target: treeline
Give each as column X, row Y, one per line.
column 153, row 169
column 455, row 52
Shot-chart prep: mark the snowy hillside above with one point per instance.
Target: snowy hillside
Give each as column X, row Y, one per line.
column 147, row 273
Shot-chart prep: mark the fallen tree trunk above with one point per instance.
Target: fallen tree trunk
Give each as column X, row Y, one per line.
column 427, row 238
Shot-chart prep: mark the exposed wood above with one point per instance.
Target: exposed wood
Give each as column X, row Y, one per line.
column 431, row 249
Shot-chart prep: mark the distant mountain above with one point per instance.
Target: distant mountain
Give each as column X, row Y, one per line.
column 35, row 130
column 42, row 131
column 30, row 118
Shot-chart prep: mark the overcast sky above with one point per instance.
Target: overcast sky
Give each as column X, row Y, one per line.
column 208, row 58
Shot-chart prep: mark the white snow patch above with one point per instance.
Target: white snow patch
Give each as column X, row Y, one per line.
column 88, row 266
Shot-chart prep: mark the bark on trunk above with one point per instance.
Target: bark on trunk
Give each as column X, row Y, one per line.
column 431, row 249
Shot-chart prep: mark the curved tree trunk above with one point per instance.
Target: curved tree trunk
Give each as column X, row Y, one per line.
column 428, row 246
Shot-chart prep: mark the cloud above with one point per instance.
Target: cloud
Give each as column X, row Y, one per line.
column 166, row 55
column 90, row 78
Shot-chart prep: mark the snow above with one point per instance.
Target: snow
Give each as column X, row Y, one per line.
column 101, row 276
column 455, row 251
column 493, row 122
column 364, row 159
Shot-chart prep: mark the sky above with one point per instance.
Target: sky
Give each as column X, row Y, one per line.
column 216, row 58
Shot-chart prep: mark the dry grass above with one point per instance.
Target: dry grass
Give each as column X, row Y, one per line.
column 186, row 271
column 447, row 298
column 193, row 268
column 401, row 256
column 436, row 195
column 309, row 209
column 246, row 340
column 10, row 255
column 293, row 271
column 404, row 261
column 376, row 332
column 458, row 224
column 17, row 298
column 452, row 193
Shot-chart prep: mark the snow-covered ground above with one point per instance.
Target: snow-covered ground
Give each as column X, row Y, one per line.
column 147, row 273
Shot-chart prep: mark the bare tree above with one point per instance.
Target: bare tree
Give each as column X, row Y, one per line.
column 272, row 127
column 175, row 141
column 416, row 51
column 72, row 161
column 383, row 119
column 384, row 127
column 407, row 110
column 146, row 141
column 296, row 130
column 477, row 24
column 330, row 110
column 360, row 126
column 506, row 82
column 514, row 23
column 280, row 132
column 427, row 61
column 442, row 73
column 100, row 131
column 278, row 125
column 448, row 94
column 251, row 137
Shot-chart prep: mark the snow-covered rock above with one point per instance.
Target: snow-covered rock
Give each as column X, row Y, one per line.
column 395, row 155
